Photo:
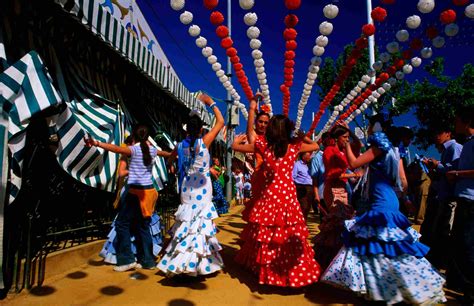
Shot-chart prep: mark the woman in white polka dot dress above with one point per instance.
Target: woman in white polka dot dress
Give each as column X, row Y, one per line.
column 194, row 249
column 275, row 239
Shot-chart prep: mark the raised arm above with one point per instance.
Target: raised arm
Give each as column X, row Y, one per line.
column 367, row 157
column 251, row 135
column 309, row 147
column 209, row 137
column 90, row 142
column 239, row 145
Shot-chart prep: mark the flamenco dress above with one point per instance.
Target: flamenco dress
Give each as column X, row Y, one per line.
column 275, row 245
column 382, row 259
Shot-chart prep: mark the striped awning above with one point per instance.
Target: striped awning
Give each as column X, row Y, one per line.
column 101, row 22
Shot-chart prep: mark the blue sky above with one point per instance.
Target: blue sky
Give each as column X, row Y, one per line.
column 196, row 73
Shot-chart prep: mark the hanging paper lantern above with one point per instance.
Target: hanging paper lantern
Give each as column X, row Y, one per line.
column 201, row 42
column 416, row 44
column 469, row 11
column 413, row 22
column 255, row 44
column 318, row 51
column 194, row 30
column 330, row 11
column 377, row 65
column 371, row 73
column 257, row 54
column 460, row 2
column 222, row 31
column 325, row 28
column 177, row 5
column 391, row 70
column 240, row 74
column 289, row 55
column 368, row 29
column 235, row 59
column 220, row 73
column 438, row 42
column 291, row 45
column 451, row 30
column 402, row 35
column 426, row 6
column 447, row 17
column 231, row 52
column 431, row 32
column 322, row 41
column 399, row 75
column 186, row 17
column 246, row 4
column 416, row 62
column 259, row 63
column 386, row 86
column 288, row 70
column 227, row 42
column 238, row 66
column 361, row 43
column 217, row 18
column 315, row 61
column 207, row 51
column 290, row 64
column 292, row 4
column 212, row 59
column 407, row 69
column 378, row 14
column 253, row 32
column 291, row 20
column 351, row 62
column 407, row 54
column 290, row 34
column 216, row 66
column 210, row 4
column 426, row 52
column 250, row 19
column 393, row 47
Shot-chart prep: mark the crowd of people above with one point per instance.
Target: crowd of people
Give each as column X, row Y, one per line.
column 362, row 193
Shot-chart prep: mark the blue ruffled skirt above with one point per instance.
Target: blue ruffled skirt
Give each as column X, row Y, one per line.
column 382, row 260
column 108, row 251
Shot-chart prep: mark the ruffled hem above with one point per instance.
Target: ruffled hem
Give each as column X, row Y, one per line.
column 387, row 233
column 288, row 263
column 109, row 253
column 401, row 279
column 194, row 248
column 281, row 215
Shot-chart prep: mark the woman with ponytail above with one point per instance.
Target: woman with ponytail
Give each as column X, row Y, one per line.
column 275, row 245
column 194, row 249
column 139, row 203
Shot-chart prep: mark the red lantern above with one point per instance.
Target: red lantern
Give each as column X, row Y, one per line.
column 290, row 34
column 227, row 42
column 240, row 74
column 460, row 2
column 283, row 88
column 217, row 18
column 351, row 61
column 235, row 59
column 378, row 14
column 388, row 2
column 238, row 66
column 384, row 76
column 292, row 4
column 368, row 29
column 399, row 63
column 291, row 20
column 211, row 4
column 416, row 44
column 222, row 31
column 289, row 64
column 447, row 17
column 431, row 32
column 289, row 55
column 391, row 70
column 356, row 53
column 291, row 45
column 362, row 43
column 288, row 83
column 231, row 52
column 407, row 54
column 289, row 70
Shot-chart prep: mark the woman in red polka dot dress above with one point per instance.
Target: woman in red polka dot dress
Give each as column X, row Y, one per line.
column 275, row 239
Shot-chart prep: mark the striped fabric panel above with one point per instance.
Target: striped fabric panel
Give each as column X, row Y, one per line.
column 159, row 171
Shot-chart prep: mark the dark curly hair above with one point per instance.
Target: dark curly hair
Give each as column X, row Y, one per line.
column 278, row 134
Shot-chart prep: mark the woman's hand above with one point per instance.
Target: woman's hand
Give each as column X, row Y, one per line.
column 240, row 139
column 90, row 142
column 205, row 99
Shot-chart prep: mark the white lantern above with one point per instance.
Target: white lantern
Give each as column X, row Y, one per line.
column 255, row 44
column 371, row 98
column 207, row 51
column 318, row 51
column 386, row 86
column 310, row 82
column 212, row 59
column 186, row 17
column 253, row 32
column 451, row 29
column 392, row 81
column 263, row 82
column 353, row 93
column 362, row 84
column 259, row 69
column 377, row 65
column 365, row 78
column 262, row 76
column 312, row 76
column 257, row 54
column 322, row 41
column 438, row 42
column 385, row 57
column 393, row 47
column 220, row 73
column 469, row 11
column 264, row 87
column 371, row 73
column 426, row 6
column 407, row 69
column 250, row 19
column 380, row 91
column 246, row 4
column 194, row 30
column 216, row 66
column 376, row 94
column 259, row 62
column 201, row 42
column 358, row 111
column 426, row 52
column 400, row 75
column 330, row 11
column 325, row 28
column 416, row 62
column 413, row 22
column 316, row 61
column 402, row 35
column 177, row 5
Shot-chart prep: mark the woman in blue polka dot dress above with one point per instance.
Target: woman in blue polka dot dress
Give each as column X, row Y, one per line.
column 194, row 249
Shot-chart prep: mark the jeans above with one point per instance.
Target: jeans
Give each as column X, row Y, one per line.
column 461, row 271
column 130, row 220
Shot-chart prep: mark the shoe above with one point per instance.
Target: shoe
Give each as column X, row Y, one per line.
column 124, row 268
column 139, row 266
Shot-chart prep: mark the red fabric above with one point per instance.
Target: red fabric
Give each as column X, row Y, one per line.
column 335, row 163
column 275, row 239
